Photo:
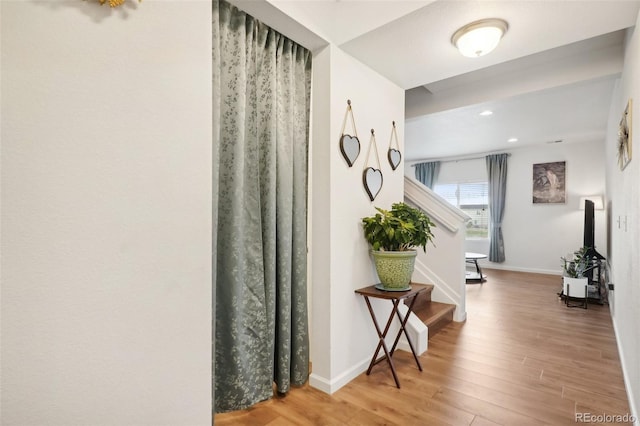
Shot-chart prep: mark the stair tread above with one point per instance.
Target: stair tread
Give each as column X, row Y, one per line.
column 432, row 312
column 435, row 315
column 429, row 287
column 424, row 296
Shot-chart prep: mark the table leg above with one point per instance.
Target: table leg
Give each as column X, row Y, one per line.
column 403, row 323
column 477, row 268
column 381, row 341
column 479, row 277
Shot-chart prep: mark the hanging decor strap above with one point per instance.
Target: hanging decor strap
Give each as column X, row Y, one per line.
column 349, row 112
column 372, row 142
column 394, row 137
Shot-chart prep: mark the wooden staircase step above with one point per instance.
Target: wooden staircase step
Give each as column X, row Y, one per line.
column 435, row 315
column 425, row 296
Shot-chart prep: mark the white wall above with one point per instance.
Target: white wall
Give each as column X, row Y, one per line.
column 537, row 235
column 343, row 337
column 106, row 213
column 623, row 189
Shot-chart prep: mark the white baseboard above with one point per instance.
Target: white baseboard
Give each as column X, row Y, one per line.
column 416, row 329
column 490, row 265
column 630, row 395
column 459, row 315
column 332, row 385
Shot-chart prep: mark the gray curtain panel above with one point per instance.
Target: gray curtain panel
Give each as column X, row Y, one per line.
column 215, row 173
column 497, row 176
column 261, row 100
column 427, row 173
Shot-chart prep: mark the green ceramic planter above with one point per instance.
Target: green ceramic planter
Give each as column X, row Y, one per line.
column 394, row 268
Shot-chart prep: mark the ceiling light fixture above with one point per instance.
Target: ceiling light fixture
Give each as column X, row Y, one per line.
column 480, row 37
column 513, row 140
column 486, row 112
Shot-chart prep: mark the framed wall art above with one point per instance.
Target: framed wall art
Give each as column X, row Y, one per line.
column 549, row 183
column 624, row 138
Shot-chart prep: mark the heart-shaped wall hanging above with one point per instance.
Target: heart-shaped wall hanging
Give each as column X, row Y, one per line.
column 372, row 180
column 349, row 145
column 372, row 176
column 393, row 155
column 350, row 148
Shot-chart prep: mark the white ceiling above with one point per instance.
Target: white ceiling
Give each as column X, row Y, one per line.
column 416, row 49
column 550, row 78
column 571, row 113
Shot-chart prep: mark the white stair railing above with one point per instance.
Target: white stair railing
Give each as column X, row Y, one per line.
column 442, row 265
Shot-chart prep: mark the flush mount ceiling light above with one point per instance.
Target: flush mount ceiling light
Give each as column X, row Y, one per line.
column 480, row 37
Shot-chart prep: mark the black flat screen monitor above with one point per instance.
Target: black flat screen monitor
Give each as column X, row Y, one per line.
column 590, row 229
column 589, row 224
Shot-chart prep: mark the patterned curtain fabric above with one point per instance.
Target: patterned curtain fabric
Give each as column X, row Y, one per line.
column 427, row 173
column 497, row 174
column 262, row 87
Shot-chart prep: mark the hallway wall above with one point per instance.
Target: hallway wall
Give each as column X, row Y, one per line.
column 106, row 213
column 623, row 209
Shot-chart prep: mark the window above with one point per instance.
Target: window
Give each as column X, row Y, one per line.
column 473, row 199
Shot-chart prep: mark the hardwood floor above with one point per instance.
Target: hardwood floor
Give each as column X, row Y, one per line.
column 521, row 358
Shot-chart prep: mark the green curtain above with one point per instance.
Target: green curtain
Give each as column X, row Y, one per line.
column 261, row 99
column 427, row 173
column 497, row 176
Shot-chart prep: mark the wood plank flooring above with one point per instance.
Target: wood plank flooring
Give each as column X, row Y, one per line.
column 521, row 358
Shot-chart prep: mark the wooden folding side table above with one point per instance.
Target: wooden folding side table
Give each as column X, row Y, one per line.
column 395, row 297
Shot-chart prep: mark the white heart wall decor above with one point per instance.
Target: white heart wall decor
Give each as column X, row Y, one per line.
column 394, row 157
column 372, row 180
column 350, row 148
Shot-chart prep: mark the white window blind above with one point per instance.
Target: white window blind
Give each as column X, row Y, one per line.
column 473, row 199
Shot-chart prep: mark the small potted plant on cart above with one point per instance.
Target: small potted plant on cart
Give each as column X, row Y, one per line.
column 574, row 279
column 394, row 235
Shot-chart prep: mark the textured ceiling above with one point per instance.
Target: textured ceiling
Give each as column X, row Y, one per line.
column 550, row 78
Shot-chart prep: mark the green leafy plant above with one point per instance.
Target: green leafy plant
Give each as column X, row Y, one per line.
column 577, row 264
column 400, row 229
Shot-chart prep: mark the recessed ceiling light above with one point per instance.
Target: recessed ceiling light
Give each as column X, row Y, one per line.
column 486, row 112
column 512, row 140
column 480, row 37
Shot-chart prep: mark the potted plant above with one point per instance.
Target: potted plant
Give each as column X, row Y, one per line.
column 575, row 266
column 393, row 235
